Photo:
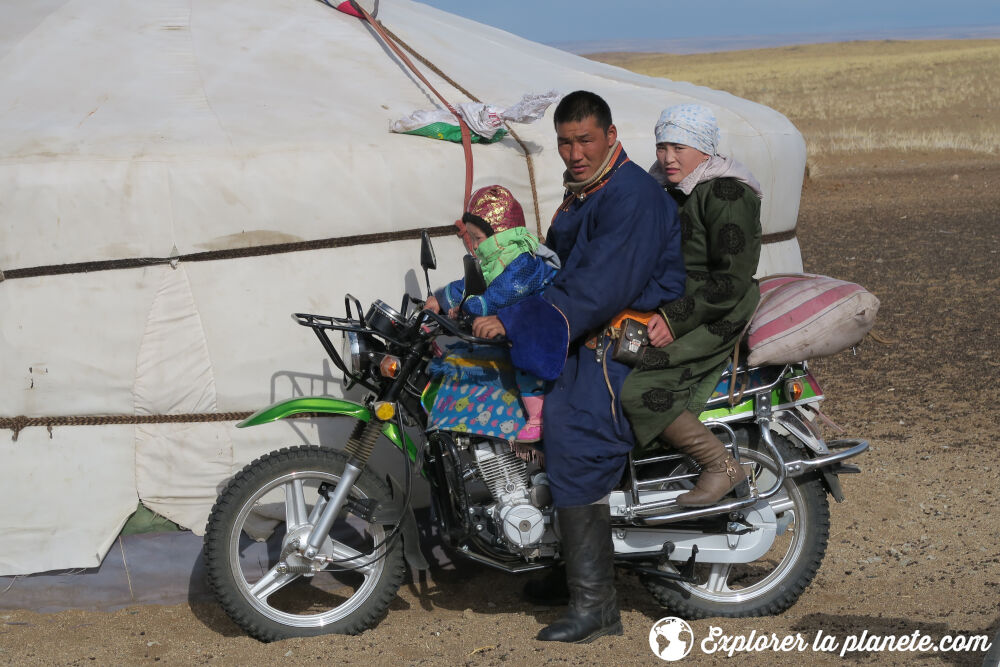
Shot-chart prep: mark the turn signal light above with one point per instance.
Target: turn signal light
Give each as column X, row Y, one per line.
column 389, row 366
column 385, row 410
column 794, row 389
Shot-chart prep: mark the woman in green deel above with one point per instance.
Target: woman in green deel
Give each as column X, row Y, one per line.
column 692, row 338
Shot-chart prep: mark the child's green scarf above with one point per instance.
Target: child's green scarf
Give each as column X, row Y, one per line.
column 498, row 251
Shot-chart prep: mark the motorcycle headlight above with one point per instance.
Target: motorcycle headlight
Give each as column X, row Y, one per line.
column 353, row 352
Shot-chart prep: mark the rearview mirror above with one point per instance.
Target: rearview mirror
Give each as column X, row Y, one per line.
column 475, row 283
column 427, row 259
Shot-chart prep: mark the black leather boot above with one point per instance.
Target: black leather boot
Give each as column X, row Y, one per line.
column 590, row 576
column 549, row 591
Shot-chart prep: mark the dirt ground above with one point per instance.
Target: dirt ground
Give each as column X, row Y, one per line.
column 915, row 547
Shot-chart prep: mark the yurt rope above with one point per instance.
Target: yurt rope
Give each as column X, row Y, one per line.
column 229, row 253
column 778, row 237
column 466, row 132
column 391, row 40
column 17, row 424
column 261, row 250
column 457, row 86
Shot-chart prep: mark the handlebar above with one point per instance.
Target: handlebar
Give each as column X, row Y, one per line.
column 455, row 328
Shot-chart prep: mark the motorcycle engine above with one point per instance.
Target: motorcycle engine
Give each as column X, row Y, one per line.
column 518, row 512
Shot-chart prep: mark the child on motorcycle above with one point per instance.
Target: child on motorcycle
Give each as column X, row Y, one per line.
column 515, row 266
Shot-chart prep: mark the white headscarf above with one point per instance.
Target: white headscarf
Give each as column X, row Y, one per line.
column 712, row 168
column 695, row 126
column 691, row 125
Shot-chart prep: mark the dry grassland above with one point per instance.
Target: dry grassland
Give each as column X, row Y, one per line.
column 858, row 96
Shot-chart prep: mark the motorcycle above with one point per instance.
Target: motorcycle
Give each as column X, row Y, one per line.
column 310, row 540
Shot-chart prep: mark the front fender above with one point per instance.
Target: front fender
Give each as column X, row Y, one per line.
column 331, row 406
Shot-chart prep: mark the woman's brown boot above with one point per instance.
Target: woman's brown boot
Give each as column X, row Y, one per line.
column 720, row 473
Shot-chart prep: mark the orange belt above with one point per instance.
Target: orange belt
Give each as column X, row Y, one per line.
column 614, row 328
column 629, row 314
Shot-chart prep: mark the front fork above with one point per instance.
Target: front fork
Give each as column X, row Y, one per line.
column 358, row 448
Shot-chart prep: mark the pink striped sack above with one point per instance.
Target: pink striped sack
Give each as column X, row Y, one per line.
column 803, row 316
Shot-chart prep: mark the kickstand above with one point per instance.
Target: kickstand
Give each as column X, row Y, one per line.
column 687, row 570
column 685, row 574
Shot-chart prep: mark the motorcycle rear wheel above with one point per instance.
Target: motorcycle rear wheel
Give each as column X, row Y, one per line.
column 774, row 582
column 261, row 511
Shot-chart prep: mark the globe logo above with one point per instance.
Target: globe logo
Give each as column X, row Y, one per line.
column 671, row 638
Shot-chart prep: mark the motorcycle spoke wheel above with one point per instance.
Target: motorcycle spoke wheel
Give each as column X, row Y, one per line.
column 258, row 530
column 272, row 582
column 773, row 582
column 717, row 580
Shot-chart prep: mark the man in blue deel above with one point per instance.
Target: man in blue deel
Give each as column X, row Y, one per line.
column 618, row 238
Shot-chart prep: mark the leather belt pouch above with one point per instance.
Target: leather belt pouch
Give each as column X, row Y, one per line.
column 632, row 336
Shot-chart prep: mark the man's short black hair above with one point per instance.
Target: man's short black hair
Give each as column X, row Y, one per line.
column 583, row 104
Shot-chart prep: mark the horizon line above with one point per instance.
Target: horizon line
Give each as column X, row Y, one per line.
column 710, row 44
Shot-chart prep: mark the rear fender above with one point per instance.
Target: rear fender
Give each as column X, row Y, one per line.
column 802, row 432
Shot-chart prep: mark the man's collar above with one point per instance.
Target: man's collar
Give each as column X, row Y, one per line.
column 581, row 187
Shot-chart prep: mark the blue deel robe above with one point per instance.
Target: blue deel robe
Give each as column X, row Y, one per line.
column 620, row 247
column 528, row 274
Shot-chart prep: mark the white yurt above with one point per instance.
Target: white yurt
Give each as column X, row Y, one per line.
column 176, row 177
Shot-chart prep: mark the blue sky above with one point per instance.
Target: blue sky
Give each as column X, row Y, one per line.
column 561, row 21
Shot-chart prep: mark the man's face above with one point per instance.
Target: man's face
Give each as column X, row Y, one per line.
column 583, row 146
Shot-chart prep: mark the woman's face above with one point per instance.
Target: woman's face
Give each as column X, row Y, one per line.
column 678, row 160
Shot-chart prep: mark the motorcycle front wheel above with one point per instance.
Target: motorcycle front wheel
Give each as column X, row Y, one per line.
column 774, row 582
column 251, row 558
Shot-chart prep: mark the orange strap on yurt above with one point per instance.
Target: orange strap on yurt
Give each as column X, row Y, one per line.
column 360, row 11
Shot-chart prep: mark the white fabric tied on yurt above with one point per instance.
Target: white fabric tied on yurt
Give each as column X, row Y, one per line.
column 169, row 128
